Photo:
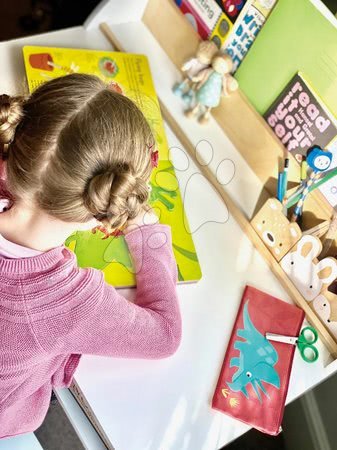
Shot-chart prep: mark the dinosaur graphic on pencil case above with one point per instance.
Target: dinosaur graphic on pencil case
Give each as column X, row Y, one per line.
column 253, row 382
column 256, row 361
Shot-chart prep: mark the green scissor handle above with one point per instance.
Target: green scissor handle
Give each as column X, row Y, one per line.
column 305, row 343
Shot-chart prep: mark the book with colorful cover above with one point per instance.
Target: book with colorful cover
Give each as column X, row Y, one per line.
column 300, row 119
column 287, row 44
column 207, row 18
column 231, row 8
column 232, row 24
column 132, row 75
column 247, row 26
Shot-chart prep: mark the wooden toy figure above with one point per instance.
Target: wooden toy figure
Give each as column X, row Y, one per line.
column 191, row 68
column 212, row 83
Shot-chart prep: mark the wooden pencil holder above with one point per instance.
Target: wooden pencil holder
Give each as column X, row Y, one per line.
column 297, row 255
column 314, row 279
column 275, row 230
column 310, row 276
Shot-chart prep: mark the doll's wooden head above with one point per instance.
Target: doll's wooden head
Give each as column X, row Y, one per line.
column 206, row 52
column 222, row 64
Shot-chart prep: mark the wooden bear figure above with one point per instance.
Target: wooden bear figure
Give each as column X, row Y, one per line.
column 278, row 234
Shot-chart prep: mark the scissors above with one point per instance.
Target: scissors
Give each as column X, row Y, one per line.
column 305, row 342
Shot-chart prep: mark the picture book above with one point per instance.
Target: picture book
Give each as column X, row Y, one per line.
column 232, row 24
column 299, row 119
column 288, row 44
column 131, row 74
column 207, row 18
column 231, row 8
column 247, row 26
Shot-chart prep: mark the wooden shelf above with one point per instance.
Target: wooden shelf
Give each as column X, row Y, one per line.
column 236, row 116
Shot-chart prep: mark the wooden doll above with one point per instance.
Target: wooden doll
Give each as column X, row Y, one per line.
column 212, row 83
column 191, row 68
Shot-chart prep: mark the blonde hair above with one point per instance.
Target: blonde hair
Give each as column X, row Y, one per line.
column 78, row 150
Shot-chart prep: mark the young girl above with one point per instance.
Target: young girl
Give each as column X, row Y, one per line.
column 75, row 153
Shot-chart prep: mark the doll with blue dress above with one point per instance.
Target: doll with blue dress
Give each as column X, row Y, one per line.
column 213, row 82
column 202, row 60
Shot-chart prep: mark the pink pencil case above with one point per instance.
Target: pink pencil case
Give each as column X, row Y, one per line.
column 254, row 378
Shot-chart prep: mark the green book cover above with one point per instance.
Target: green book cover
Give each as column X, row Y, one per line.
column 296, row 37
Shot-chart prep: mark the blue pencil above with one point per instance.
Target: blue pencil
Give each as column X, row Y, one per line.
column 285, row 178
column 280, row 186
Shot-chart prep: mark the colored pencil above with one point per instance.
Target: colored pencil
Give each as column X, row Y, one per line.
column 285, row 178
column 299, row 206
column 279, row 186
column 297, row 195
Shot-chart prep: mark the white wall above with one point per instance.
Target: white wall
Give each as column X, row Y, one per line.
column 116, row 11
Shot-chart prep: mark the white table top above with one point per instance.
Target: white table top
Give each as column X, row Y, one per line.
column 22, row 442
column 151, row 405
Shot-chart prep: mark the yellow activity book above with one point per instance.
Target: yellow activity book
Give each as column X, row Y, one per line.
column 131, row 75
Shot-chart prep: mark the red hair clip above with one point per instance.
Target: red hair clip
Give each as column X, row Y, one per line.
column 154, row 156
column 113, row 86
column 106, row 233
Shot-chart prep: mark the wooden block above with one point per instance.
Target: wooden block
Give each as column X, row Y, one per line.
column 309, row 275
column 275, row 230
column 325, row 306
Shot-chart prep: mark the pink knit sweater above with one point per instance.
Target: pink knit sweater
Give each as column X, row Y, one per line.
column 51, row 312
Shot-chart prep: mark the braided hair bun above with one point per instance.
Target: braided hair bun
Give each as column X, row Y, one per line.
column 11, row 113
column 115, row 197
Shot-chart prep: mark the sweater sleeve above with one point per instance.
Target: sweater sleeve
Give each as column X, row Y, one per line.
column 110, row 325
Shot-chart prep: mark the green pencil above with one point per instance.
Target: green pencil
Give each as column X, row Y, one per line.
column 332, row 173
